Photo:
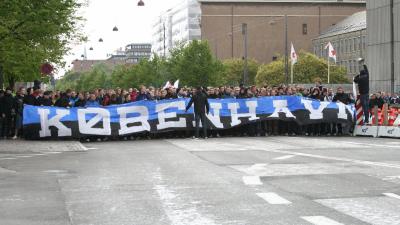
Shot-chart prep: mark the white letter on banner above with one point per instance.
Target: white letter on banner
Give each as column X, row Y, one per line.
column 160, row 109
column 46, row 123
column 315, row 114
column 233, row 107
column 281, row 107
column 215, row 118
column 142, row 118
column 342, row 110
column 86, row 127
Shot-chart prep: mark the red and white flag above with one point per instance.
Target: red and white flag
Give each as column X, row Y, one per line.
column 332, row 51
column 293, row 55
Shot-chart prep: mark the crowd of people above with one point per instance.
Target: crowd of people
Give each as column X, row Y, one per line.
column 11, row 105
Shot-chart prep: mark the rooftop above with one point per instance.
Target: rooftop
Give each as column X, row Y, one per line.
column 355, row 22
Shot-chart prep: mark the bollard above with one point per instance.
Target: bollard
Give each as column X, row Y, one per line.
column 385, row 114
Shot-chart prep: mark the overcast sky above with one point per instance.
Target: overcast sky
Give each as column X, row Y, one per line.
column 134, row 24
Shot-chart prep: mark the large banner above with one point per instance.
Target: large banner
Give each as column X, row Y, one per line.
column 169, row 115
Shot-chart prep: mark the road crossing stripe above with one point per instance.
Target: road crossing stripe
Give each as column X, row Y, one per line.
column 320, row 220
column 7, row 158
column 388, row 165
column 53, row 152
column 252, row 180
column 373, row 145
column 273, row 198
column 392, row 195
column 284, row 157
column 24, row 156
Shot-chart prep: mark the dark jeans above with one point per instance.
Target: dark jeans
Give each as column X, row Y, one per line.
column 202, row 117
column 5, row 126
column 365, row 106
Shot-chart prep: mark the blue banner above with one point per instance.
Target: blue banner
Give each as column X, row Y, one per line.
column 169, row 115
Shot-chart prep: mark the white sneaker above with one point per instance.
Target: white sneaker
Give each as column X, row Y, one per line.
column 15, row 138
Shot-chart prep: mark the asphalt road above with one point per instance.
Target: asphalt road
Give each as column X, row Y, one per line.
column 229, row 181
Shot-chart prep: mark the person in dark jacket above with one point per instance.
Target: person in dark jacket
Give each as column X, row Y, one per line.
column 63, row 101
column 46, row 99
column 81, row 102
column 345, row 99
column 376, row 100
column 341, row 97
column 8, row 112
column 143, row 95
column 201, row 107
column 2, row 116
column 32, row 96
column 363, row 87
column 19, row 110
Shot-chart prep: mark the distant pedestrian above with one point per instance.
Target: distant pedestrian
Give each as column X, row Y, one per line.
column 201, row 108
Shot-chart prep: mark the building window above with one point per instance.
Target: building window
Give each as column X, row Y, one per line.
column 305, row 29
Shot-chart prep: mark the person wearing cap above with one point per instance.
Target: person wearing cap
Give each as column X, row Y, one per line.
column 363, row 87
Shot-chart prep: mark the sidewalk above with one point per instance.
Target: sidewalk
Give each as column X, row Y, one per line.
column 24, row 146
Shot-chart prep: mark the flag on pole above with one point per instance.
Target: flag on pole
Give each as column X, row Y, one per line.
column 332, row 51
column 167, row 85
column 293, row 55
column 176, row 84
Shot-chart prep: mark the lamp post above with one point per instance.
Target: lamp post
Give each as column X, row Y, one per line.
column 286, row 61
column 286, row 52
column 245, row 70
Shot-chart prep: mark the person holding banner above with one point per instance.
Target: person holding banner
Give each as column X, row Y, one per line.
column 201, row 107
column 363, row 88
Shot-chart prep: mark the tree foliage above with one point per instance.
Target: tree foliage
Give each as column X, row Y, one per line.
column 194, row 65
column 308, row 69
column 234, row 70
column 35, row 32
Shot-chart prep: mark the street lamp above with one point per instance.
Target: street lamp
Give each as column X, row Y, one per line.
column 272, row 23
column 115, row 29
column 101, row 40
column 91, row 48
column 140, row 3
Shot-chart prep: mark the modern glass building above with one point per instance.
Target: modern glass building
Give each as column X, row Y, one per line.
column 135, row 52
column 179, row 24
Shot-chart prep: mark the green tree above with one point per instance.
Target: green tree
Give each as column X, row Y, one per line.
column 35, row 32
column 194, row 65
column 234, row 69
column 308, row 69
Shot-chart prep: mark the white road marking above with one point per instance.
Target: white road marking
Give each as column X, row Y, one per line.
column 53, row 152
column 320, row 220
column 175, row 205
column 392, row 195
column 91, row 148
column 370, row 163
column 373, row 145
column 24, row 156
column 82, row 146
column 391, row 178
column 284, row 157
column 7, row 158
column 252, row 180
column 273, row 198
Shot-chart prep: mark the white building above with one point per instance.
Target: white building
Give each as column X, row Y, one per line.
column 179, row 24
